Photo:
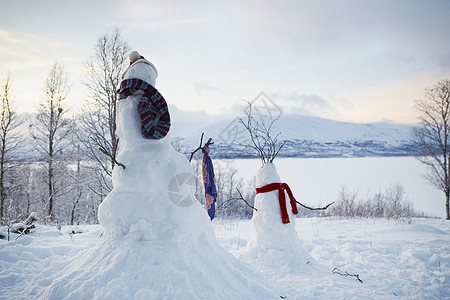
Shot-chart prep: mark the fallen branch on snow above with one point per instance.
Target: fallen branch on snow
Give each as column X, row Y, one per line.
column 342, row 273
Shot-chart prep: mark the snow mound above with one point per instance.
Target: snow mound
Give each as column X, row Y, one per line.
column 158, row 242
column 129, row 268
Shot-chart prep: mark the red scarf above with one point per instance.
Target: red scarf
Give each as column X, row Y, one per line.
column 281, row 198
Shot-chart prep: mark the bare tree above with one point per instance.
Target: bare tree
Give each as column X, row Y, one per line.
column 79, row 176
column 226, row 183
column 432, row 134
column 262, row 141
column 10, row 140
column 390, row 204
column 104, row 73
column 51, row 130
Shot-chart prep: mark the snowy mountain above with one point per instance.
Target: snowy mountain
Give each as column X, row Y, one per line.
column 306, row 136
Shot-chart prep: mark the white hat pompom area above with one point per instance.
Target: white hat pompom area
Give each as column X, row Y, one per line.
column 134, row 56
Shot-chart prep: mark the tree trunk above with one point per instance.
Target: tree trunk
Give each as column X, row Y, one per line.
column 50, row 175
column 447, row 196
column 79, row 189
column 2, row 192
column 2, row 185
column 72, row 216
column 50, row 190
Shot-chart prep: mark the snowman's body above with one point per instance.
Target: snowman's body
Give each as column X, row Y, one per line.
column 274, row 246
column 152, row 171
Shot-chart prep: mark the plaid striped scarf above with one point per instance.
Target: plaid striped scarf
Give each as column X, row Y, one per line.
column 152, row 108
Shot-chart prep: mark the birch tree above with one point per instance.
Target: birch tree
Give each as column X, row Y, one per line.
column 51, row 132
column 98, row 120
column 432, row 134
column 10, row 141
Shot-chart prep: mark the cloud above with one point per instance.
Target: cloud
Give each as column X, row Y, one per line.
column 404, row 29
column 22, row 50
column 165, row 13
column 309, row 104
column 8, row 36
column 204, row 88
column 142, row 8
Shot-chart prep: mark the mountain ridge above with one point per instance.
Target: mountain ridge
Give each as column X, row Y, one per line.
column 305, row 136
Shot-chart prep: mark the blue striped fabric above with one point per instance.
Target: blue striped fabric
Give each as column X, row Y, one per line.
column 209, row 181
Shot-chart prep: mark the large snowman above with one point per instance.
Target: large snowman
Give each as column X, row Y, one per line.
column 156, row 186
column 158, row 242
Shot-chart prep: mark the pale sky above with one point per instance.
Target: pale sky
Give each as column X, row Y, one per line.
column 348, row 60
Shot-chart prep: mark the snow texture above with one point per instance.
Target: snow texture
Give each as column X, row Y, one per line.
column 395, row 261
column 158, row 242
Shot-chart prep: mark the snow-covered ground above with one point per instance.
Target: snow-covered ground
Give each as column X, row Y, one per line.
column 394, row 260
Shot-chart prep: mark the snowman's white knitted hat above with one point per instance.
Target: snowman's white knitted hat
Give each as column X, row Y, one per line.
column 134, row 56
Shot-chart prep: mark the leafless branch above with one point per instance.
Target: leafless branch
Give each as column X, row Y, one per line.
column 234, row 199
column 111, row 156
column 262, row 140
column 345, row 273
column 198, row 148
column 433, row 136
column 98, row 119
column 315, row 208
column 276, row 153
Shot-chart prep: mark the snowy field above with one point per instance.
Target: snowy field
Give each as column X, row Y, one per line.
column 317, row 181
column 394, row 260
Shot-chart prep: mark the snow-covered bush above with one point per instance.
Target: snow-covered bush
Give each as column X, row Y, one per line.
column 19, row 228
column 26, row 226
column 391, row 204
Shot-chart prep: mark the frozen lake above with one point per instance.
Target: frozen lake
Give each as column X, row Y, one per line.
column 317, row 181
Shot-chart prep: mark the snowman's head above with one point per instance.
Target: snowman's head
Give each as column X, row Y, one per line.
column 267, row 174
column 140, row 68
column 134, row 56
